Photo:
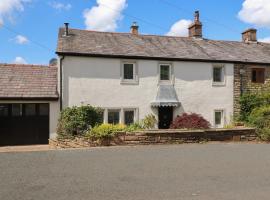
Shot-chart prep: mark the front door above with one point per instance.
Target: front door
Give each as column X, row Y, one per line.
column 165, row 116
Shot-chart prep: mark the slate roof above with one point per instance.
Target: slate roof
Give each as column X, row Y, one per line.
column 107, row 44
column 28, row 82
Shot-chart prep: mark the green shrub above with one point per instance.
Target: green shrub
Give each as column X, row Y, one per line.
column 134, row 127
column 260, row 118
column 149, row 122
column 105, row 131
column 75, row 121
column 250, row 101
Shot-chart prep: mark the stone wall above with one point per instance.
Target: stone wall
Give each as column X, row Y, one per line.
column 162, row 137
column 248, row 86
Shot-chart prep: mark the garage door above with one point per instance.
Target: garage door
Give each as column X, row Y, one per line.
column 23, row 124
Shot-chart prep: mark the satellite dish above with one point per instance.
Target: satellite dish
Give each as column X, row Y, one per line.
column 53, row 62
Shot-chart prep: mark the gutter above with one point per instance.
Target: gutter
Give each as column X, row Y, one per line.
column 30, row 98
column 159, row 58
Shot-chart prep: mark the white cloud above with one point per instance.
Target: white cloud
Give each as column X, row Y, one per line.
column 8, row 7
column 256, row 12
column 267, row 40
column 19, row 39
column 180, row 28
column 19, row 60
column 105, row 15
column 60, row 6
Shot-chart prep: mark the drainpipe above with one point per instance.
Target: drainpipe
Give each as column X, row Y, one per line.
column 61, row 82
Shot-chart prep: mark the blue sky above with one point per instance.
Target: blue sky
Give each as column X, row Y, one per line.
column 29, row 29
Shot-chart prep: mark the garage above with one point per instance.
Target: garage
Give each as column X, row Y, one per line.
column 24, row 124
column 29, row 105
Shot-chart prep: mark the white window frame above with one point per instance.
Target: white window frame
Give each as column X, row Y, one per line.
column 121, row 112
column 223, row 71
column 171, row 72
column 221, row 125
column 114, row 110
column 135, row 79
column 129, row 109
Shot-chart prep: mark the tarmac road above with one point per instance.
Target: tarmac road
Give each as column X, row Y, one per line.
column 194, row 171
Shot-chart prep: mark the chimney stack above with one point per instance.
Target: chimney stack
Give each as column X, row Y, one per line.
column 66, row 29
column 134, row 29
column 249, row 35
column 195, row 29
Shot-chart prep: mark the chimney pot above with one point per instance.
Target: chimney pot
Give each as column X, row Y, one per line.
column 134, row 29
column 197, row 16
column 66, row 29
column 195, row 29
column 250, row 35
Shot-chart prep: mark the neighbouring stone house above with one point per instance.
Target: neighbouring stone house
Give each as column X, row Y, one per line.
column 131, row 75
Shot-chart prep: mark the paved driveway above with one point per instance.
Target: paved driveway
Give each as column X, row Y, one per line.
column 208, row 171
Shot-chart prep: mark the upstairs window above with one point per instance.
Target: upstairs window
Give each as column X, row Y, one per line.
column 218, row 75
column 258, row 75
column 128, row 71
column 165, row 72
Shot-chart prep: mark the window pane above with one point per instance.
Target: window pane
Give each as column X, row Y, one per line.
column 129, row 117
column 113, row 117
column 217, row 74
column 218, row 117
column 164, row 72
column 3, row 110
column 43, row 109
column 258, row 75
column 128, row 71
column 254, row 75
column 30, row 109
column 16, row 110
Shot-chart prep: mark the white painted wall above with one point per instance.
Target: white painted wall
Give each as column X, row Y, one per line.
column 54, row 113
column 96, row 81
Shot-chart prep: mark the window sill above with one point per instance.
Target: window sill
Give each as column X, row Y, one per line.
column 129, row 82
column 218, row 84
column 258, row 83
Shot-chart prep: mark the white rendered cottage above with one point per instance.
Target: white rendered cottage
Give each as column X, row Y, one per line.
column 131, row 75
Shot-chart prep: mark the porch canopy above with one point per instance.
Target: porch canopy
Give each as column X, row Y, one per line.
column 166, row 96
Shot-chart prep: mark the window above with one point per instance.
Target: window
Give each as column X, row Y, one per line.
column 113, row 116
column 129, row 117
column 218, row 118
column 165, row 72
column 16, row 110
column 30, row 109
column 43, row 109
column 128, row 71
column 258, row 75
column 3, row 110
column 218, row 74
